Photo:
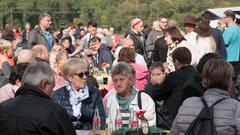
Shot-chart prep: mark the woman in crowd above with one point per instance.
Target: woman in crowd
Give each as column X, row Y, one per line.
column 128, row 55
column 9, row 90
column 128, row 43
column 76, row 97
column 6, row 60
column 217, row 79
column 6, row 53
column 67, row 45
column 136, row 35
column 60, row 78
column 53, row 53
column 125, row 95
column 174, row 39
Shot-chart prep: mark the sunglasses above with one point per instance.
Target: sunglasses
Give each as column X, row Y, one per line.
column 81, row 74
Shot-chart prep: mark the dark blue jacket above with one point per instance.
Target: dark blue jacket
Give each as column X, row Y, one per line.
column 218, row 38
column 105, row 56
column 61, row 96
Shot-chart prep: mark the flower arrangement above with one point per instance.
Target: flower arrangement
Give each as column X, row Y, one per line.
column 140, row 115
column 144, row 121
column 105, row 65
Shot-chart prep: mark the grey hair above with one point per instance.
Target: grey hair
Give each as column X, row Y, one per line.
column 42, row 15
column 38, row 72
column 124, row 69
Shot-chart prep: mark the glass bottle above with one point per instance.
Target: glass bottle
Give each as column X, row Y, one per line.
column 108, row 124
column 105, row 76
column 133, row 122
column 96, row 121
column 118, row 120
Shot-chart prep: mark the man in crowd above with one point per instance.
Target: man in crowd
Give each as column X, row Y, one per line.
column 41, row 34
column 25, row 55
column 92, row 31
column 32, row 111
column 172, row 87
column 41, row 53
column 101, row 53
column 160, row 45
column 155, row 34
column 26, row 31
column 231, row 37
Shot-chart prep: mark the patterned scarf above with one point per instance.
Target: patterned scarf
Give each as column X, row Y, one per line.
column 76, row 97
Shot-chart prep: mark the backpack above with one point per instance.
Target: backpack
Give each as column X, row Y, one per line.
column 204, row 124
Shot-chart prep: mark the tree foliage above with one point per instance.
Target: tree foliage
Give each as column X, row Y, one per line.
column 117, row 13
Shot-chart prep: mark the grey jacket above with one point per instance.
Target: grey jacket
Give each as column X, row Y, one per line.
column 226, row 113
column 152, row 37
column 36, row 37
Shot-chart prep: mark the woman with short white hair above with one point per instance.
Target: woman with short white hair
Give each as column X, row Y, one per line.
column 125, row 96
column 76, row 97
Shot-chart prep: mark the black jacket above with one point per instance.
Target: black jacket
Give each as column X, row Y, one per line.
column 218, row 38
column 171, row 90
column 160, row 50
column 32, row 112
column 138, row 42
column 193, row 88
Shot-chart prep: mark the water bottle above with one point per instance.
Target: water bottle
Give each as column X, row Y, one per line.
column 118, row 120
column 96, row 121
column 108, row 124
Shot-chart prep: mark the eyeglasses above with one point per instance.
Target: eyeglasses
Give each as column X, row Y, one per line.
column 81, row 74
column 48, row 20
column 163, row 21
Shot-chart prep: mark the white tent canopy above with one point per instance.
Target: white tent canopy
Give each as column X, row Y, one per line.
column 217, row 13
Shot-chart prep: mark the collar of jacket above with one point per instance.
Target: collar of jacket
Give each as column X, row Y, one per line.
column 27, row 89
column 216, row 91
column 41, row 31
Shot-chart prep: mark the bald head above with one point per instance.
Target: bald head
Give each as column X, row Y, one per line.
column 25, row 55
column 127, row 42
column 41, row 51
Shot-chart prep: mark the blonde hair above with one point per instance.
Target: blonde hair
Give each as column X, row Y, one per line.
column 4, row 45
column 57, row 48
column 156, row 25
column 72, row 66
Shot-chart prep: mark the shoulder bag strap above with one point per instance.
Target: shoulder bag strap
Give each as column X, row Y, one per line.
column 139, row 100
column 217, row 102
column 205, row 103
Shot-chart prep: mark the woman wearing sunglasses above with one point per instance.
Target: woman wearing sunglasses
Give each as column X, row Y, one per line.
column 76, row 97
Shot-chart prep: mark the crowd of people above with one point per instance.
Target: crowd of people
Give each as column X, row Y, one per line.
column 48, row 82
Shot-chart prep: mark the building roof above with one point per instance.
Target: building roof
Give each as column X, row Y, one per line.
column 216, row 13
